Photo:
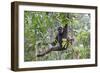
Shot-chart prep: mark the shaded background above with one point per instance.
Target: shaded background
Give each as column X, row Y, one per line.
column 40, row 29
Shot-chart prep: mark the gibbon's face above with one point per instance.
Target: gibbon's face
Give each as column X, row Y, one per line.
column 60, row 30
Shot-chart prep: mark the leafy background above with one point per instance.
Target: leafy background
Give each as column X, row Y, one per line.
column 40, row 29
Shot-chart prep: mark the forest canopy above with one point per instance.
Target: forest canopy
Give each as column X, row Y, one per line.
column 40, row 29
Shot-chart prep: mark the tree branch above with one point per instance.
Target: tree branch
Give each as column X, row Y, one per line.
column 55, row 48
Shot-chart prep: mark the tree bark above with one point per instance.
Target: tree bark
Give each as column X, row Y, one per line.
column 57, row 48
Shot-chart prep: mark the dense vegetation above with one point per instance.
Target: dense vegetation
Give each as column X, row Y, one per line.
column 40, row 29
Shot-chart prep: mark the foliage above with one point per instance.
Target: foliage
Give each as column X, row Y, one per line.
column 40, row 29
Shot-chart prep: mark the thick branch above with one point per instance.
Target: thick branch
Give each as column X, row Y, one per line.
column 57, row 48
